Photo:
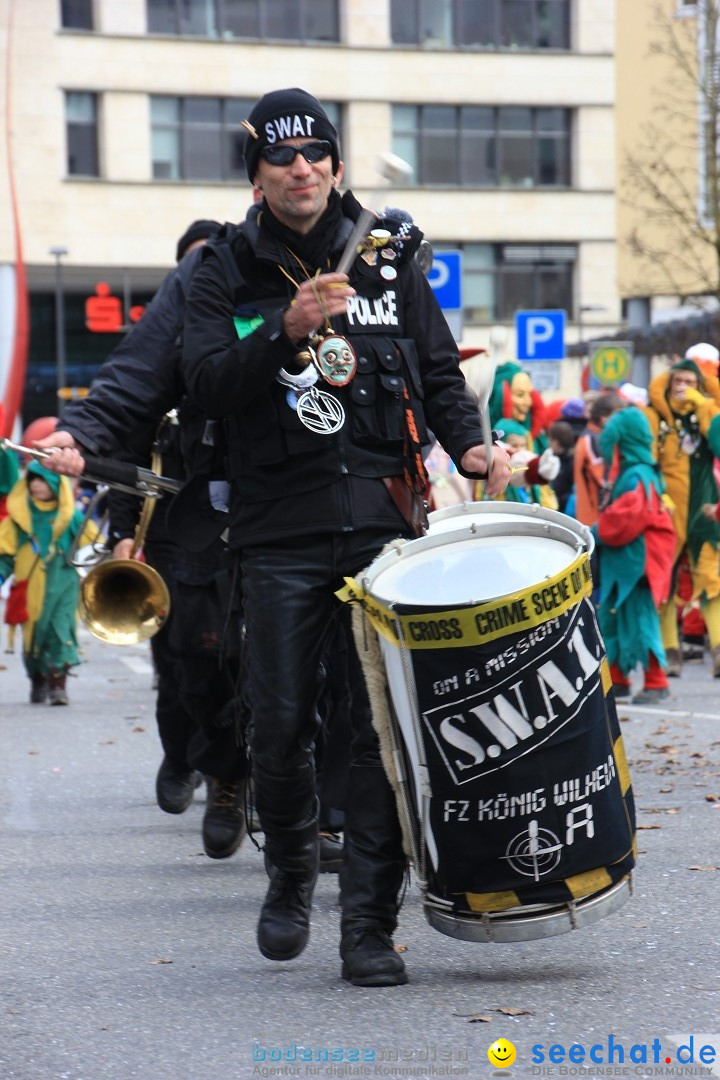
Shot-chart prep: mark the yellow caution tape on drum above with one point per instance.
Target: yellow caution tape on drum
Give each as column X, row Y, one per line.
column 478, row 623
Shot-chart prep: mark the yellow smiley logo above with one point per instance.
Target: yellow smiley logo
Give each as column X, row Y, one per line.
column 502, row 1053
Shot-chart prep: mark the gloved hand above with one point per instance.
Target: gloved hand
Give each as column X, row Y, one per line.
column 518, row 465
column 548, row 465
column 693, row 395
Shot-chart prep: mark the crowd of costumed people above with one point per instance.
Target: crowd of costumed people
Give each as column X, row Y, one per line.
column 647, row 485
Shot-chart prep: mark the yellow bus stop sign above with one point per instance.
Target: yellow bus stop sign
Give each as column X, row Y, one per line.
column 611, row 361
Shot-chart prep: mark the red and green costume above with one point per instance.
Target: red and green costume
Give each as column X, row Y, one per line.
column 34, row 542
column 636, row 542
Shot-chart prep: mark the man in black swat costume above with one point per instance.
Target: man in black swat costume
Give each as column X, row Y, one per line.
column 325, row 469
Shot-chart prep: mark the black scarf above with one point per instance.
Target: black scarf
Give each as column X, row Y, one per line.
column 314, row 248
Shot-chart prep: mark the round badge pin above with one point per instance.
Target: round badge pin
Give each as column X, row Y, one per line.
column 389, row 273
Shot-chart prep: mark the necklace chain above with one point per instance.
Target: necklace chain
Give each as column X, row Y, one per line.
column 312, row 278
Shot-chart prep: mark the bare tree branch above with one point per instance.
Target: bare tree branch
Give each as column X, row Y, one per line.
column 672, row 178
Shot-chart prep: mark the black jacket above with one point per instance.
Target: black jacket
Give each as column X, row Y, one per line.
column 288, row 480
column 136, row 386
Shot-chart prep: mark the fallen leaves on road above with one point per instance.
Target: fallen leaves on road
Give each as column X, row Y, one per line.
column 484, row 1018
column 703, row 867
column 161, row 960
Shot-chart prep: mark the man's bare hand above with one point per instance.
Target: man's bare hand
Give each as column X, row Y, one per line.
column 123, row 548
column 474, row 460
column 65, row 453
column 315, row 304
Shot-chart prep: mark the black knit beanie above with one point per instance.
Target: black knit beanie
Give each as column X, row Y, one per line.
column 286, row 114
column 199, row 230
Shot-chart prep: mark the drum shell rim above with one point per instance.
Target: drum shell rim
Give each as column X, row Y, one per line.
column 408, row 549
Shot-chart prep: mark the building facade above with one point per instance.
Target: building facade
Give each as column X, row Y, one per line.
column 668, row 123
column 123, row 125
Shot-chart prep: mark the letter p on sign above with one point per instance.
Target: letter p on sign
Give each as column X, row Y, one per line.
column 540, row 335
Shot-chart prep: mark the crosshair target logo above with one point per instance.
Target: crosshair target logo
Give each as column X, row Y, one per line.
column 535, row 852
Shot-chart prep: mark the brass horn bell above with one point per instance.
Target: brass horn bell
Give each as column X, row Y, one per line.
column 123, row 601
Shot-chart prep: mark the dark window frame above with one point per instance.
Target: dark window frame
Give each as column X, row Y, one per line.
column 408, row 13
column 219, row 21
column 499, row 140
column 540, row 261
column 76, row 15
column 77, row 134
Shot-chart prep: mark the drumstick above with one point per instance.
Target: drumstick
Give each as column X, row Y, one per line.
column 483, row 388
column 390, row 167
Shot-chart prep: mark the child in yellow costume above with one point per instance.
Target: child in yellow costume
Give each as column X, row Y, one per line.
column 684, row 415
column 34, row 540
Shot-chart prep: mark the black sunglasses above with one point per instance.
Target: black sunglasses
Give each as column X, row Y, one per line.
column 285, row 155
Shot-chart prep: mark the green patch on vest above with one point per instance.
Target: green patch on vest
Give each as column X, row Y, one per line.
column 246, row 324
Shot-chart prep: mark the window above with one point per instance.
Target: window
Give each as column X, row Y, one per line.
column 500, row 279
column 82, row 135
column 482, row 146
column 76, row 14
column 275, row 20
column 202, row 138
column 488, row 24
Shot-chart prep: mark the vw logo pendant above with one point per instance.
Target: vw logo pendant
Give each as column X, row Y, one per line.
column 320, row 412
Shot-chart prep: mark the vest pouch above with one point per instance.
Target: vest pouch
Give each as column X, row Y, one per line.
column 392, row 407
column 296, row 438
column 376, row 394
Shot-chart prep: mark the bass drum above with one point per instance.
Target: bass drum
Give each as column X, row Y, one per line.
column 507, row 756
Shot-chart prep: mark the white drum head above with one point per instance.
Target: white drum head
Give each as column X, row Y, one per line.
column 477, row 552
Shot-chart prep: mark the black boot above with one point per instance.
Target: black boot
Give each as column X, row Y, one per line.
column 224, row 820
column 372, row 879
column 369, row 959
column 331, row 852
column 175, row 786
column 287, row 807
column 39, row 690
column 57, row 688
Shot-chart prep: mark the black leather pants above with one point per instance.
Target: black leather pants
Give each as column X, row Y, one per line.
column 289, row 611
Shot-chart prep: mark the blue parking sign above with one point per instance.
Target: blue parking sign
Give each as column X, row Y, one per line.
column 445, row 279
column 540, row 335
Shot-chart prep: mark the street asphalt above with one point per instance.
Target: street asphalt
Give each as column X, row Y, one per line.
column 127, row 953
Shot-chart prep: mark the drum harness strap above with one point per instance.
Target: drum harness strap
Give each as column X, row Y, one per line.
column 408, row 491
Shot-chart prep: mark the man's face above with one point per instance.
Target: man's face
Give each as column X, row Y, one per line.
column 297, row 193
column 521, row 396
column 680, row 382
